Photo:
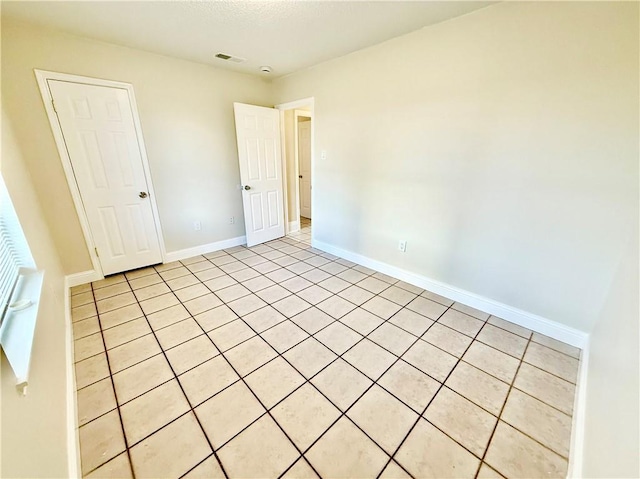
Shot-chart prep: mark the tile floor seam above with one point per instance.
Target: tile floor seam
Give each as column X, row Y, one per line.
column 191, row 410
column 206, row 332
column 332, row 322
column 421, row 415
column 259, row 401
column 549, row 372
column 252, row 392
column 540, row 400
column 308, row 381
column 555, row 350
column 506, row 330
column 344, row 413
column 484, row 455
column 515, row 427
column 202, row 462
column 293, row 346
column 259, row 334
column 115, row 395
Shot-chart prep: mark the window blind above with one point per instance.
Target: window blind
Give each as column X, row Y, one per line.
column 14, row 250
column 20, row 283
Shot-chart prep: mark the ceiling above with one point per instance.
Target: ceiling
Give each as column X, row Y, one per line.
column 286, row 35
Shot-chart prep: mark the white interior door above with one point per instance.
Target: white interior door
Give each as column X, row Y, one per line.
column 304, row 162
column 101, row 139
column 258, row 134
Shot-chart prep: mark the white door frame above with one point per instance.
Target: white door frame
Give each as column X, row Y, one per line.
column 42, row 76
column 297, row 114
column 292, row 105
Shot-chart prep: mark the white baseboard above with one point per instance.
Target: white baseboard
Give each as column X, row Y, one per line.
column 73, row 438
column 84, row 277
column 294, row 226
column 576, row 455
column 517, row 316
column 205, row 248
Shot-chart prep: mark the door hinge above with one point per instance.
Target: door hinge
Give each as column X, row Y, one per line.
column 53, row 103
column 96, row 249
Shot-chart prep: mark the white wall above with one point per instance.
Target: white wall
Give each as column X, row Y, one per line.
column 186, row 110
column 612, row 432
column 502, row 145
column 33, row 432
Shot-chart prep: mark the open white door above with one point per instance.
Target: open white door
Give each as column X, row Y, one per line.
column 258, row 134
column 100, row 137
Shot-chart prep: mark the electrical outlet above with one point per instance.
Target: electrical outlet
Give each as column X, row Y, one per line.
column 232, row 220
column 197, row 226
column 402, row 246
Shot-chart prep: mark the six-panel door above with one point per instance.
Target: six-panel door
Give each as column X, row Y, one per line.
column 258, row 135
column 101, row 139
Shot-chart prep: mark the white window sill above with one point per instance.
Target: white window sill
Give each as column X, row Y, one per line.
column 18, row 327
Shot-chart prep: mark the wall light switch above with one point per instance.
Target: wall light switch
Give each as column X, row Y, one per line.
column 323, row 154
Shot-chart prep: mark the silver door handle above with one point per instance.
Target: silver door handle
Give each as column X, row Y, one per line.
column 143, row 194
column 247, row 187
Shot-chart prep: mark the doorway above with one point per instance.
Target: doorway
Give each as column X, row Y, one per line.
column 297, row 140
column 303, row 124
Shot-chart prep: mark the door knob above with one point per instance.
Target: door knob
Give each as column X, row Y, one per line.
column 247, row 187
column 300, row 176
column 143, row 194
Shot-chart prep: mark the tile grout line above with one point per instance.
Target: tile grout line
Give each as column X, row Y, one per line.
column 520, row 359
column 501, row 411
column 240, row 282
column 374, row 382
column 442, row 385
column 268, row 410
column 241, row 378
column 254, row 292
column 311, row 335
column 117, row 408
column 371, row 274
column 391, row 284
column 343, row 414
column 191, row 317
column 191, row 409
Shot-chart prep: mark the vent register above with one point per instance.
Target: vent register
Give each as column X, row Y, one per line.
column 230, row 58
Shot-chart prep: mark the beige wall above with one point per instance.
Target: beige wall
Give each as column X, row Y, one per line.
column 612, row 433
column 33, row 432
column 502, row 145
column 186, row 110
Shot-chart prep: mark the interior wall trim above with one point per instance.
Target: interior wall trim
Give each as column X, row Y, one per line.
column 536, row 323
column 73, row 432
column 205, row 248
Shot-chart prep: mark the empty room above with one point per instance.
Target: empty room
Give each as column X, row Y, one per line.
column 320, row 239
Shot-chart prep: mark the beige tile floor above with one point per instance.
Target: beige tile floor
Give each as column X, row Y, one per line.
column 304, row 234
column 284, row 361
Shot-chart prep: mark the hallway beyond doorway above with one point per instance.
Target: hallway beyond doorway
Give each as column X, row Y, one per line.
column 304, row 233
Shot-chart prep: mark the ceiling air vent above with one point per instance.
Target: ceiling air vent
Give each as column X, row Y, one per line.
column 229, row 58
